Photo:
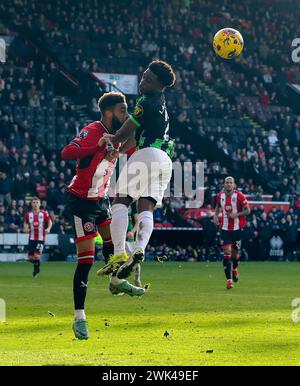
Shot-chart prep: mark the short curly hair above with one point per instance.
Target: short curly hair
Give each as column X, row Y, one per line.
column 109, row 99
column 164, row 72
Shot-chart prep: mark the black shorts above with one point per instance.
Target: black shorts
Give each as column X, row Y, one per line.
column 86, row 215
column 233, row 238
column 35, row 246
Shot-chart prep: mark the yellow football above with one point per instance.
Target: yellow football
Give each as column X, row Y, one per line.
column 228, row 43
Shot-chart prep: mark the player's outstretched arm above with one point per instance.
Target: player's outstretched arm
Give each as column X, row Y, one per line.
column 122, row 135
column 75, row 151
column 129, row 144
column 83, row 145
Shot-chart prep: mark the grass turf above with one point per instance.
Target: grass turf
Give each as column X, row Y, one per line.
column 207, row 324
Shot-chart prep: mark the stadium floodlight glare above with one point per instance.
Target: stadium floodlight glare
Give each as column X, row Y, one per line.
column 2, row 311
column 2, row 51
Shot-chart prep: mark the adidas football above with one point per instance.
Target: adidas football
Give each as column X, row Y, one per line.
column 228, row 43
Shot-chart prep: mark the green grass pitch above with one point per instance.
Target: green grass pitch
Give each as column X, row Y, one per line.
column 249, row 325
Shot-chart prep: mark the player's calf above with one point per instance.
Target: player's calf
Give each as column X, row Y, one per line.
column 80, row 285
column 227, row 266
column 235, row 264
column 35, row 260
column 108, row 249
column 235, row 275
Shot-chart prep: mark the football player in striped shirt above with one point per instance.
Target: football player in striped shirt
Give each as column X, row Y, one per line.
column 234, row 207
column 38, row 224
column 87, row 203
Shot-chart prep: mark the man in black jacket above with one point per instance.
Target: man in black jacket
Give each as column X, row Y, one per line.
column 265, row 233
column 290, row 238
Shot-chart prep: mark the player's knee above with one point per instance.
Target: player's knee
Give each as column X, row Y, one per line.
column 146, row 204
column 227, row 252
column 84, row 246
column 37, row 256
column 122, row 200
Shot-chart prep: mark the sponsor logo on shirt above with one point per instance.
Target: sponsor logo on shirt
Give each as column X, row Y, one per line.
column 138, row 111
column 83, row 134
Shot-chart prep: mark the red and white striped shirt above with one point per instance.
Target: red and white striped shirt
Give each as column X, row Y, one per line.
column 37, row 224
column 232, row 204
column 94, row 170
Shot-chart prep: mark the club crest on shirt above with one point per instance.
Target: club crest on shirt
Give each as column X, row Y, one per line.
column 83, row 134
column 138, row 111
column 88, row 227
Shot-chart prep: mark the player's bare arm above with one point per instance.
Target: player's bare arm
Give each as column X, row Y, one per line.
column 216, row 216
column 48, row 229
column 122, row 135
column 130, row 143
column 25, row 227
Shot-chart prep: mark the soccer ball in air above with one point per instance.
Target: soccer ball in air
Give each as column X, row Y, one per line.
column 228, row 43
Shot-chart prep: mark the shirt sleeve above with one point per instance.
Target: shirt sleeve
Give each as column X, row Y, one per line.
column 27, row 218
column 83, row 145
column 243, row 200
column 142, row 112
column 46, row 216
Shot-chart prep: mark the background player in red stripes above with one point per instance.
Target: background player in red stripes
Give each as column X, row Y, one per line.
column 87, row 205
column 234, row 207
column 38, row 224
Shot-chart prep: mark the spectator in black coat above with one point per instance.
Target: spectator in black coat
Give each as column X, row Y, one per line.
column 209, row 235
column 5, row 188
column 52, row 193
column 284, row 189
column 290, row 238
column 6, row 127
column 20, row 187
column 249, row 242
column 265, row 233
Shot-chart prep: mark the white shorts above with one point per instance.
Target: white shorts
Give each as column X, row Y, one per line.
column 146, row 174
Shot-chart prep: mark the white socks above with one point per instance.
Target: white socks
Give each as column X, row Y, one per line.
column 145, row 228
column 118, row 227
column 80, row 314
